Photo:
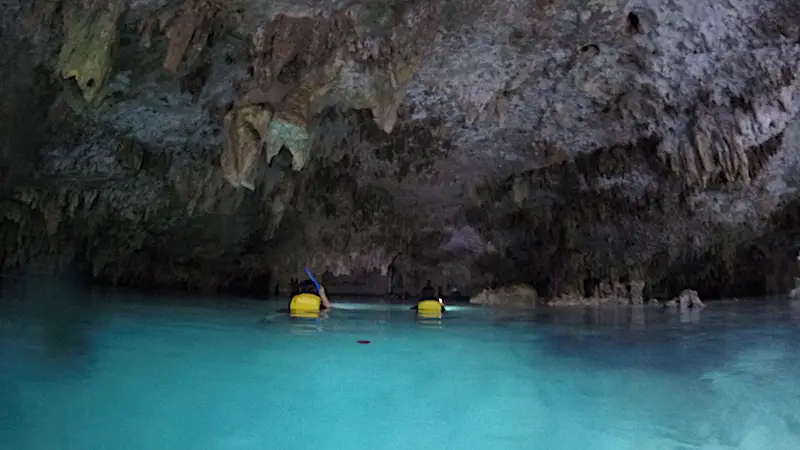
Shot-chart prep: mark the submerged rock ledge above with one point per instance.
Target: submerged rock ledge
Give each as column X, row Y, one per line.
column 572, row 145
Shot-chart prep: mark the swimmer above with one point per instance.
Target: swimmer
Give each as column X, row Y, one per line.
column 306, row 302
column 309, row 302
column 428, row 294
column 308, row 287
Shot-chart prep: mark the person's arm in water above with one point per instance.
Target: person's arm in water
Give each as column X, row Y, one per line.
column 325, row 302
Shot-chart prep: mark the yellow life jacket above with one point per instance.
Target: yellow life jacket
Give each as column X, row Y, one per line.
column 305, row 304
column 430, row 309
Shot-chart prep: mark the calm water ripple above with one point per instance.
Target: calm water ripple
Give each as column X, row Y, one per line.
column 120, row 372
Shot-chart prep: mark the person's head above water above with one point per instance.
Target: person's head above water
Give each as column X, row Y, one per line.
column 428, row 291
column 307, row 287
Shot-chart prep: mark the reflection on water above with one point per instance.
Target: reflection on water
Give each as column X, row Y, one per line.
column 58, row 318
column 305, row 325
column 84, row 371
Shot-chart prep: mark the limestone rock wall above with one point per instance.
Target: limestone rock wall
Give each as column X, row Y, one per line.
column 207, row 144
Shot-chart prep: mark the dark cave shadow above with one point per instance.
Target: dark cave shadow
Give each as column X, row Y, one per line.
column 61, row 316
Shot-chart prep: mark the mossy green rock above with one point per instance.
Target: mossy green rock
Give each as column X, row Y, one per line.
column 294, row 137
column 90, row 43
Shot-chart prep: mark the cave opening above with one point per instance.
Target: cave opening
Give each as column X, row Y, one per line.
column 542, row 283
column 634, row 24
column 589, row 285
column 714, row 277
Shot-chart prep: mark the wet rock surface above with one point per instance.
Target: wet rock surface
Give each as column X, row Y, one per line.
column 572, row 145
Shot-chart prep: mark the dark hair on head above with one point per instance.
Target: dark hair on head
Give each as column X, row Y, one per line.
column 308, row 287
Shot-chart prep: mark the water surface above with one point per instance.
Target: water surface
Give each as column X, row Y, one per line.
column 112, row 371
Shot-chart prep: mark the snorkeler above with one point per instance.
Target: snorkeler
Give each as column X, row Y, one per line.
column 307, row 302
column 428, row 293
column 309, row 299
column 429, row 302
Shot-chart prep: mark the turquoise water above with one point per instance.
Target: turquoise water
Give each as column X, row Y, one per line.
column 120, row 372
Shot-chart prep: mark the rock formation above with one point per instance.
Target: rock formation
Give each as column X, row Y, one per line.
column 515, row 295
column 576, row 145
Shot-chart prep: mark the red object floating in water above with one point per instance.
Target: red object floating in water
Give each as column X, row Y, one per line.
column 363, row 341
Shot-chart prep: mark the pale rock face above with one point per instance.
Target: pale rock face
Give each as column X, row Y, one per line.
column 637, row 289
column 687, row 300
column 516, row 295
